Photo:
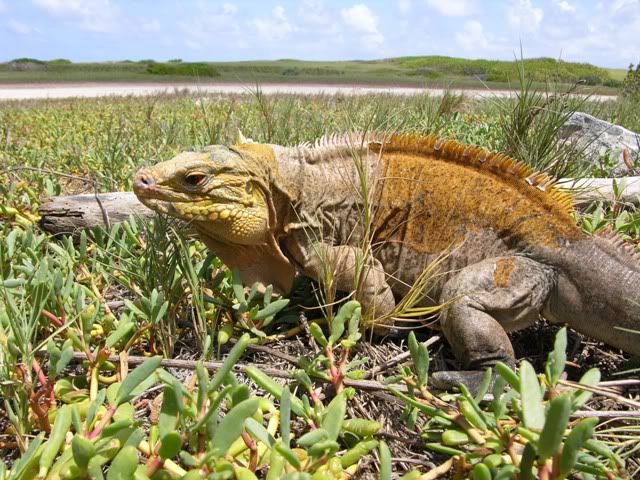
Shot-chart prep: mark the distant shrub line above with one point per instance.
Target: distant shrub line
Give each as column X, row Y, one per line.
column 200, row 69
column 420, row 68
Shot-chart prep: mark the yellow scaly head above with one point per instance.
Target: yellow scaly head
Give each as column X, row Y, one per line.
column 224, row 191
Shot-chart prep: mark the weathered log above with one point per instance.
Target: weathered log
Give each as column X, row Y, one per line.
column 588, row 190
column 67, row 214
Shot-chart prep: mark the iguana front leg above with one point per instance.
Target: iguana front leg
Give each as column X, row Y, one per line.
column 487, row 300
column 322, row 262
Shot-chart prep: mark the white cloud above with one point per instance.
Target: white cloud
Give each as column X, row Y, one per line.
column 214, row 29
column 3, row 6
column 92, row 15
column 620, row 4
column 229, row 9
column 473, row 37
column 404, row 6
column 524, row 17
column 276, row 27
column 452, row 8
column 362, row 20
column 150, row 25
column 21, row 28
column 564, row 5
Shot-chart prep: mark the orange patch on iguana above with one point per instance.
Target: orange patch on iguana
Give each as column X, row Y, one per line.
column 502, row 273
column 435, row 193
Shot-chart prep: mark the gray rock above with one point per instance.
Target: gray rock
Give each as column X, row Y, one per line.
column 603, row 142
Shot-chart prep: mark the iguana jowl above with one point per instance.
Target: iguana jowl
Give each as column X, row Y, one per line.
column 513, row 249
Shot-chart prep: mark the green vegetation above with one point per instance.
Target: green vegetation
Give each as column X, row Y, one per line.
column 631, row 83
column 85, row 321
column 417, row 71
column 183, row 69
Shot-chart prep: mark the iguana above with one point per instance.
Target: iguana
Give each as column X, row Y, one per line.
column 505, row 236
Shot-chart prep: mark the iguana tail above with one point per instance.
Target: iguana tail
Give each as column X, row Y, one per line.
column 598, row 291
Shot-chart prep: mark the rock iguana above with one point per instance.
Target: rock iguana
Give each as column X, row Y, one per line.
column 513, row 250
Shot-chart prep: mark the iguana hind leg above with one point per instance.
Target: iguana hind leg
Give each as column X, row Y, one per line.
column 488, row 299
column 322, row 262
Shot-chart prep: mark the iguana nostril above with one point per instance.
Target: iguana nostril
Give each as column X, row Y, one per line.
column 143, row 179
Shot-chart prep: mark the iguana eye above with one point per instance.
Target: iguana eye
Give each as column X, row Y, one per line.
column 195, row 179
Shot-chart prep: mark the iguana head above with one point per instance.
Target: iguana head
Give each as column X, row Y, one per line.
column 224, row 191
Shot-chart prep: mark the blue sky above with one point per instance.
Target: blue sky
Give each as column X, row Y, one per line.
column 606, row 33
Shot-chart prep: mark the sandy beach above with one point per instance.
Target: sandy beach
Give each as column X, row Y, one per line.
column 68, row 90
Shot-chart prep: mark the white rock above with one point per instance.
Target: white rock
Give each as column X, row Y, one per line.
column 600, row 138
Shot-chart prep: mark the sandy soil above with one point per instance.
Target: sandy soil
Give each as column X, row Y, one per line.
column 69, row 89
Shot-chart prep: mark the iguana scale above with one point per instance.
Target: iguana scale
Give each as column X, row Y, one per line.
column 505, row 236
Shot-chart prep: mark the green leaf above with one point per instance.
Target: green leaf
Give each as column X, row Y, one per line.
column 26, row 464
column 95, row 470
column 531, row 397
column 334, row 415
column 136, row 377
column 314, row 436
column 123, row 331
column 484, row 386
column 232, row 424
column 472, row 411
column 498, row 406
column 526, row 463
column 243, row 473
column 507, row 472
column 239, row 393
column 317, row 334
column 554, row 426
column 420, row 356
column 124, row 465
column 285, row 416
column 361, row 427
column 267, row 383
column 94, row 406
column 51, row 448
column 276, row 465
column 288, row 455
column 168, row 418
column 345, row 314
column 65, row 357
column 325, row 447
column 580, row 433
column 426, row 409
column 557, row 357
column 385, row 462
column 590, row 378
column 454, row 438
column 203, row 385
column 170, row 445
column 508, row 374
column 229, row 362
column 83, row 451
column 601, row 448
column 359, row 450
column 258, row 431
column 481, row 472
column 238, row 288
column 271, row 309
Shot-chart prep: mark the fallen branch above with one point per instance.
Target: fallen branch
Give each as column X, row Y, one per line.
column 374, row 387
column 367, row 385
column 67, row 214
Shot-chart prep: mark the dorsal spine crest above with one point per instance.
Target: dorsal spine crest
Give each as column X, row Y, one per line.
column 508, row 169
